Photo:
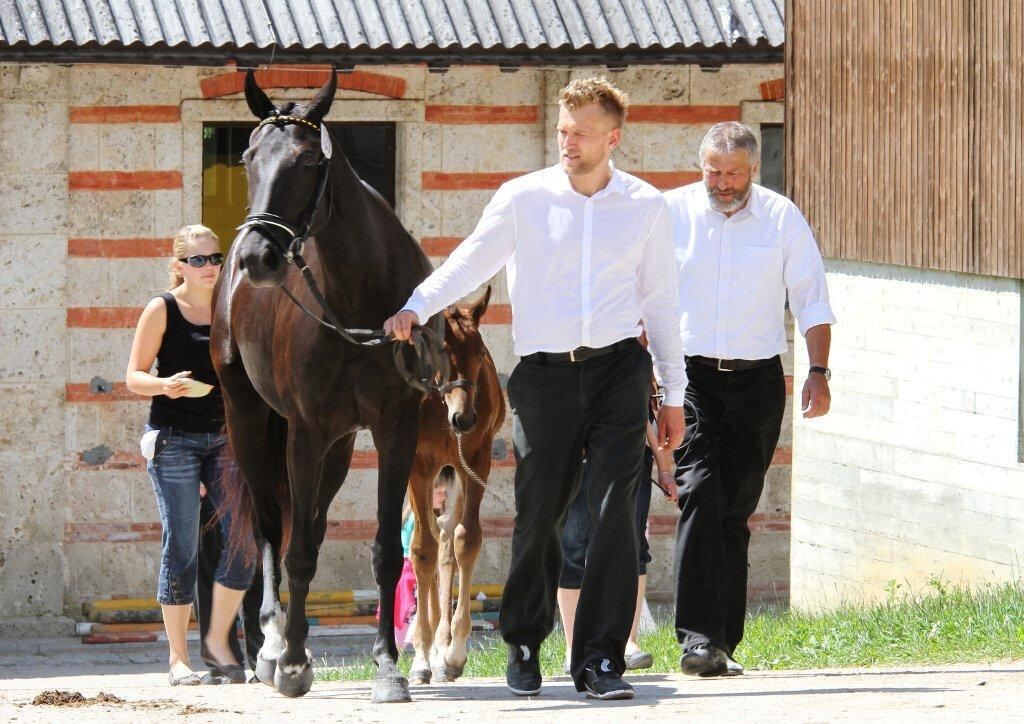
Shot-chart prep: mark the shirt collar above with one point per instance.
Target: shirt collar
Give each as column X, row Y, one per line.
column 754, row 206
column 617, row 184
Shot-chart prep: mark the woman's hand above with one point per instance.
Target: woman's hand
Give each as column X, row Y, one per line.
column 176, row 385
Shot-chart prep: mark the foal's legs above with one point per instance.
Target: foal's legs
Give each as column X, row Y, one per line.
column 424, row 563
column 468, row 538
column 445, row 578
column 396, row 445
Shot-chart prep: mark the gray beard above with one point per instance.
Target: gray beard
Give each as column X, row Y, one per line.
column 728, row 207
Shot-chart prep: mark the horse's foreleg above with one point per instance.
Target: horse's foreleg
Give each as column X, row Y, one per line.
column 272, row 618
column 424, row 563
column 467, row 541
column 396, row 446
column 445, row 579
column 294, row 675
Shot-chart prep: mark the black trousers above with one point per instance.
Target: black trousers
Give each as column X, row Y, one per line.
column 721, row 467
column 598, row 407
column 210, row 549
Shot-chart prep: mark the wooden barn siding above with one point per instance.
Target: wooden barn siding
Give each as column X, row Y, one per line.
column 904, row 138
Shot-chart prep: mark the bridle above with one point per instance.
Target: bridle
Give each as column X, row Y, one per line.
column 289, row 239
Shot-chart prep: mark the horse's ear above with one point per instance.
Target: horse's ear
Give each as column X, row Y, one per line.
column 259, row 104
column 321, row 102
column 480, row 305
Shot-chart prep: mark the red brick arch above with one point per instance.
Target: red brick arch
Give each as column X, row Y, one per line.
column 304, row 76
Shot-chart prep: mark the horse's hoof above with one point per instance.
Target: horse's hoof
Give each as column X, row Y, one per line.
column 439, row 675
column 391, row 691
column 293, row 684
column 265, row 669
column 419, row 677
column 453, row 672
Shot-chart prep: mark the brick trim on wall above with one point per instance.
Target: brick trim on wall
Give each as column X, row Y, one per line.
column 682, row 114
column 124, row 114
column 138, row 248
column 773, row 90
column 481, row 115
column 304, row 76
column 124, row 180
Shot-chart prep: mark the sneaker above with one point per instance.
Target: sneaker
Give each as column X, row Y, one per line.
column 732, row 667
column 602, row 681
column 639, row 660
column 523, row 671
column 704, row 660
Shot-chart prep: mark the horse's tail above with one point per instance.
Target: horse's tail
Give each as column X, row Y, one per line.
column 271, row 520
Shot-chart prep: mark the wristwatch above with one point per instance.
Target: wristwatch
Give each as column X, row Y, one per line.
column 823, row 370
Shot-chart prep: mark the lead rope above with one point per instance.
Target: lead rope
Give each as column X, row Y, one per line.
column 500, row 495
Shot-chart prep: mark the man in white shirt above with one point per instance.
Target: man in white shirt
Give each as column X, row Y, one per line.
column 740, row 249
column 588, row 255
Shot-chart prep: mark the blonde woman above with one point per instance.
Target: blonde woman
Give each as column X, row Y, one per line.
column 182, row 444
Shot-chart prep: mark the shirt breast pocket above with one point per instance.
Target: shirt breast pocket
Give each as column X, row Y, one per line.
column 761, row 271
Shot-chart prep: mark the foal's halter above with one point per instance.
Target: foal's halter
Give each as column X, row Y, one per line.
column 432, row 362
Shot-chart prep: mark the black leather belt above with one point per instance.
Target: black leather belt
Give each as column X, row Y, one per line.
column 731, row 365
column 580, row 354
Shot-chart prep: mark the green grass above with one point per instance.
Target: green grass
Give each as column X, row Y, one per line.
column 940, row 625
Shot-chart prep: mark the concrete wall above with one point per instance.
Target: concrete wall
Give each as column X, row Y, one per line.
column 100, row 166
column 916, row 471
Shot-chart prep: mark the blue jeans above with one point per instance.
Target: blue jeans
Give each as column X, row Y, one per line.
column 578, row 523
column 181, row 462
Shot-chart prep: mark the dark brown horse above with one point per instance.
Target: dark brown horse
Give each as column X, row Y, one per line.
column 462, row 424
column 295, row 392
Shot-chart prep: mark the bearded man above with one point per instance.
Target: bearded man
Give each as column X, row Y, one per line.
column 740, row 249
column 588, row 254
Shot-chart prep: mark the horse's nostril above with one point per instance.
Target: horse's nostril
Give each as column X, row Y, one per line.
column 241, row 262
column 270, row 260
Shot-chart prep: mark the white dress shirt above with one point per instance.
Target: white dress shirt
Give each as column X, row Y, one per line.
column 582, row 271
column 734, row 273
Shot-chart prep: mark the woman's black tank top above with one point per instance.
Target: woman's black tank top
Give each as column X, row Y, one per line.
column 186, row 346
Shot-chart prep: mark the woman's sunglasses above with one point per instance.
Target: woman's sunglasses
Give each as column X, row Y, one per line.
column 199, row 260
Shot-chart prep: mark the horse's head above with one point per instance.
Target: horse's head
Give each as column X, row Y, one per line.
column 285, row 165
column 466, row 353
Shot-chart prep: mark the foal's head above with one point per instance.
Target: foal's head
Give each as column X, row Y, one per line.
column 282, row 164
column 466, row 352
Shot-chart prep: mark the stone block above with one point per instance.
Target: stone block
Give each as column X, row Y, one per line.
column 111, row 214
column 32, row 271
column 87, row 282
column 31, row 580
column 672, row 147
column 654, row 85
column 115, row 425
column 628, row 155
column 731, row 84
column 167, row 145
column 33, row 83
column 168, row 212
column 128, row 147
column 32, row 418
column 99, row 496
column 496, row 148
column 34, row 203
column 102, row 352
column 144, row 508
column 128, row 85
column 104, row 570
column 486, row 85
column 33, row 138
column 31, row 497
column 460, row 210
column 83, row 146
column 34, row 345
column 133, row 282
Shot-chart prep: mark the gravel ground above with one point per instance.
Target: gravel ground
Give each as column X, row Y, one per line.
column 136, row 690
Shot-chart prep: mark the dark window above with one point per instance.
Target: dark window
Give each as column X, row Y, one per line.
column 772, row 166
column 369, row 147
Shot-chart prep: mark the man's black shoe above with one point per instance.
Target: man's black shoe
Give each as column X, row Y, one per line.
column 704, row 660
column 733, row 667
column 602, row 682
column 523, row 671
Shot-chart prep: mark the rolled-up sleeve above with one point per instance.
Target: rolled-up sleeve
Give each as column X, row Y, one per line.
column 804, row 275
column 657, row 287
column 473, row 262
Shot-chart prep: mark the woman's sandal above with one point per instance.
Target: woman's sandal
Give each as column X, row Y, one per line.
column 189, row 679
column 224, row 674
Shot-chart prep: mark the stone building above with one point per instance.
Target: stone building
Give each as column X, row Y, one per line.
column 115, row 134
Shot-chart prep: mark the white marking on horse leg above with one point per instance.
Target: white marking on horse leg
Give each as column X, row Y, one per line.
column 293, row 669
column 273, row 636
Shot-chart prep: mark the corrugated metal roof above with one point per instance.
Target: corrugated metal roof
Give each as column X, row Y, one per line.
column 380, row 31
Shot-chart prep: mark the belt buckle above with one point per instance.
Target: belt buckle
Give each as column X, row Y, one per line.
column 721, row 368
column 572, row 355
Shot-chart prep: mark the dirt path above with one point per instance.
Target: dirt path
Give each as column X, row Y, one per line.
column 968, row 693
